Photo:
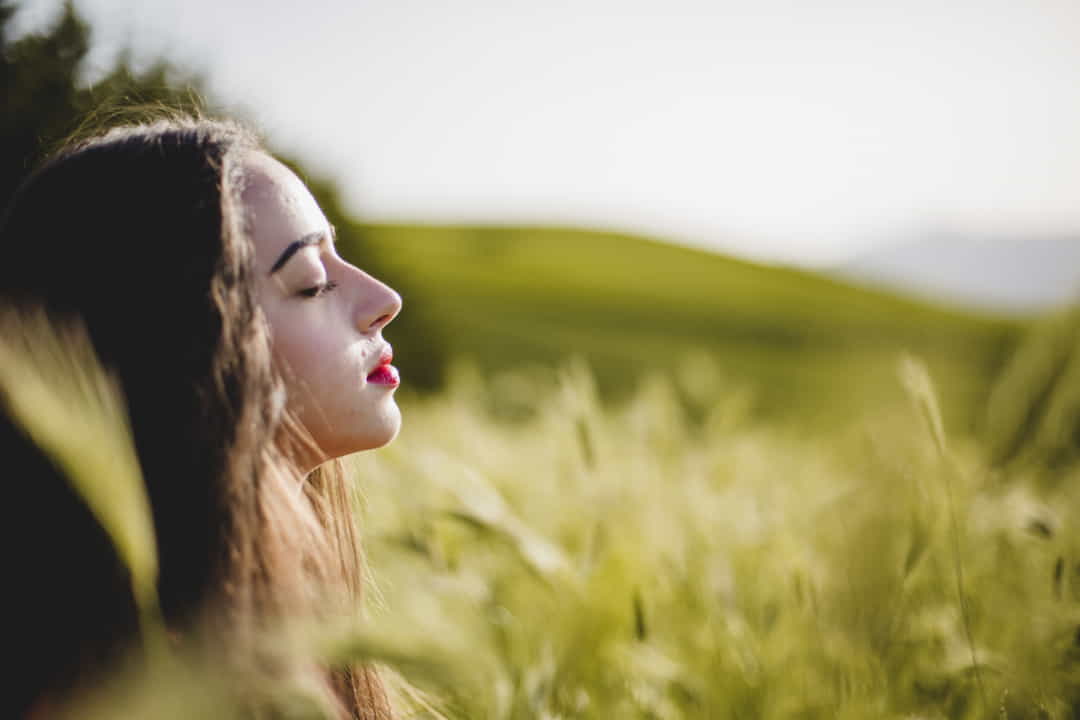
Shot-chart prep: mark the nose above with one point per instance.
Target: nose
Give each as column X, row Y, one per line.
column 377, row 303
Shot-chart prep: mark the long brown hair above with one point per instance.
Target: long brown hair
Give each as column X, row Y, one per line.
column 139, row 233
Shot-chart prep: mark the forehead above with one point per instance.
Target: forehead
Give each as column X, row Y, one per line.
column 278, row 207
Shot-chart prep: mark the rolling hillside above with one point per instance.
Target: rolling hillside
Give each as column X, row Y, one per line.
column 507, row 297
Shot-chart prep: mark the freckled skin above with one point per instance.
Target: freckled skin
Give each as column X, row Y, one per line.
column 326, row 345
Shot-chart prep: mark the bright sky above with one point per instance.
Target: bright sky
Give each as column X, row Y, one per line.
column 805, row 132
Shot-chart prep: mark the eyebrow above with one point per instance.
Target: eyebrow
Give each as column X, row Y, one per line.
column 318, row 237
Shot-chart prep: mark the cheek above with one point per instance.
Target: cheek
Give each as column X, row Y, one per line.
column 297, row 350
column 293, row 353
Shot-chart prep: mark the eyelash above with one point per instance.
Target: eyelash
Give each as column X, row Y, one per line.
column 322, row 289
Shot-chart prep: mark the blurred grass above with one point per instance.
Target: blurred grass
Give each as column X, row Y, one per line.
column 730, row 569
column 701, row 543
column 53, row 387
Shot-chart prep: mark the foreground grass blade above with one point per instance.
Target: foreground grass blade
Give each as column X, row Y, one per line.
column 54, row 388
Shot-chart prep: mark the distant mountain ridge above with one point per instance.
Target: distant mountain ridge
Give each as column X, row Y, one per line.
column 1004, row 274
column 632, row 307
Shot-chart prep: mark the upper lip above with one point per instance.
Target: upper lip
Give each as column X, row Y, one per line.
column 386, row 356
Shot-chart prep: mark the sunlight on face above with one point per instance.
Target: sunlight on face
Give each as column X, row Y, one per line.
column 326, row 316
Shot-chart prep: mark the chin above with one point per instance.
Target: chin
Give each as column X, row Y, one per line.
column 378, row 430
column 388, row 427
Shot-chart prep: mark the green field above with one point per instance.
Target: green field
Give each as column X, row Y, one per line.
column 804, row 344
column 666, row 485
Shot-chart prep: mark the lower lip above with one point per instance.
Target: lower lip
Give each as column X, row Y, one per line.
column 384, row 375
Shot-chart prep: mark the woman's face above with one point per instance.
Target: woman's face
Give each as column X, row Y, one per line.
column 326, row 316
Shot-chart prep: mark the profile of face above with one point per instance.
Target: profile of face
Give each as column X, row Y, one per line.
column 326, row 316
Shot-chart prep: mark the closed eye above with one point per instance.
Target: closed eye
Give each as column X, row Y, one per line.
column 320, row 289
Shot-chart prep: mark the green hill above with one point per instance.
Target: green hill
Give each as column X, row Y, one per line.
column 507, row 297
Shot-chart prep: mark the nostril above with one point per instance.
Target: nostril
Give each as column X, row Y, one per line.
column 378, row 306
column 381, row 320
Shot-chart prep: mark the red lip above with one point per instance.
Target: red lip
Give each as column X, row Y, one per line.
column 385, row 373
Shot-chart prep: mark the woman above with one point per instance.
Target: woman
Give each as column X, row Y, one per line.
column 250, row 355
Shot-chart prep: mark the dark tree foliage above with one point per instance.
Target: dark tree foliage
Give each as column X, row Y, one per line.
column 37, row 80
column 44, row 101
